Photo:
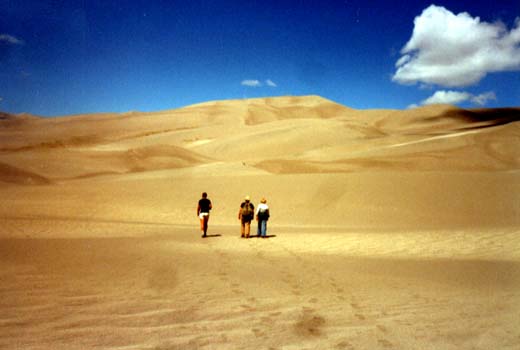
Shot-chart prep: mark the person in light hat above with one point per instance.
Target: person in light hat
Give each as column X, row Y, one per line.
column 262, row 215
column 245, row 215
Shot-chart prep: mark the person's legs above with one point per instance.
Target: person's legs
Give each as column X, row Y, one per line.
column 205, row 224
column 247, row 225
column 264, row 228
column 242, row 229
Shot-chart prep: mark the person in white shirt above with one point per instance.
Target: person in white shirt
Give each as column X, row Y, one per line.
column 262, row 215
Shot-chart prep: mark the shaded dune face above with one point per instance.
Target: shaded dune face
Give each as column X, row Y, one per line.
column 486, row 117
column 10, row 174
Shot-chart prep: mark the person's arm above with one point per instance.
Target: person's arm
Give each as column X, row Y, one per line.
column 198, row 209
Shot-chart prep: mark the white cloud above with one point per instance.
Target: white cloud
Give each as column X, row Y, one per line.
column 6, row 38
column 449, row 97
column 456, row 50
column 271, row 83
column 482, row 99
column 251, row 83
column 456, row 97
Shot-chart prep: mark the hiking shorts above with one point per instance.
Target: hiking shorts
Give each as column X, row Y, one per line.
column 204, row 217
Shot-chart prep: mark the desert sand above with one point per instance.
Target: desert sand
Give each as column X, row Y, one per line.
column 389, row 229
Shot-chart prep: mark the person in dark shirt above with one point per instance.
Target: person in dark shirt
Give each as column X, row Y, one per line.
column 203, row 210
column 245, row 215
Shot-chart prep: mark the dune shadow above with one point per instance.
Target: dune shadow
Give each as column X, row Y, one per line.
column 483, row 118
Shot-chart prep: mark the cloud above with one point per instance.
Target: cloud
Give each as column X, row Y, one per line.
column 456, row 97
column 9, row 39
column 456, row 50
column 258, row 83
column 270, row 83
column 482, row 99
column 251, row 83
column 449, row 97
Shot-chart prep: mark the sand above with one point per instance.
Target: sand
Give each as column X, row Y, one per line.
column 388, row 229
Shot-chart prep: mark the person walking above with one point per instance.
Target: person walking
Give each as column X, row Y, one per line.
column 262, row 215
column 203, row 209
column 245, row 215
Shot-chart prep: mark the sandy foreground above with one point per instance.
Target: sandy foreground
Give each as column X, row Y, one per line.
column 389, row 230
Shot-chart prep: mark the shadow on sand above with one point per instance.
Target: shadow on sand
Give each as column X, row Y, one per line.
column 267, row 236
column 212, row 236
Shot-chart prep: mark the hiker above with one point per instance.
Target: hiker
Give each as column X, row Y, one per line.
column 203, row 210
column 245, row 215
column 262, row 215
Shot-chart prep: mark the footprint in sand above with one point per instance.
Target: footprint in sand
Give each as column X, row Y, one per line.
column 308, row 310
column 339, row 291
column 385, row 343
column 309, row 325
column 258, row 333
column 360, row 317
column 382, row 328
column 266, row 320
column 247, row 307
column 344, row 345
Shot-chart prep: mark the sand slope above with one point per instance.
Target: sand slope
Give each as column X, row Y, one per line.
column 389, row 229
column 427, row 167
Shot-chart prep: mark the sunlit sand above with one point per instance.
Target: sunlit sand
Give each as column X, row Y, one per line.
column 388, row 229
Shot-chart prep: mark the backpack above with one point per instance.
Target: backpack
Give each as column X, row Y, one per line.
column 247, row 211
column 263, row 214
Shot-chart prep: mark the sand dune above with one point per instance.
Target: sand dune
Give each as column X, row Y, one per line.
column 389, row 229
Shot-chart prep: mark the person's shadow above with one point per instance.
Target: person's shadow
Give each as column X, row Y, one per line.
column 212, row 236
column 266, row 236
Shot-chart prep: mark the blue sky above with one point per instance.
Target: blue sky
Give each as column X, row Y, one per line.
column 71, row 57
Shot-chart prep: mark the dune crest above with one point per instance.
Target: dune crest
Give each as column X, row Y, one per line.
column 302, row 134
